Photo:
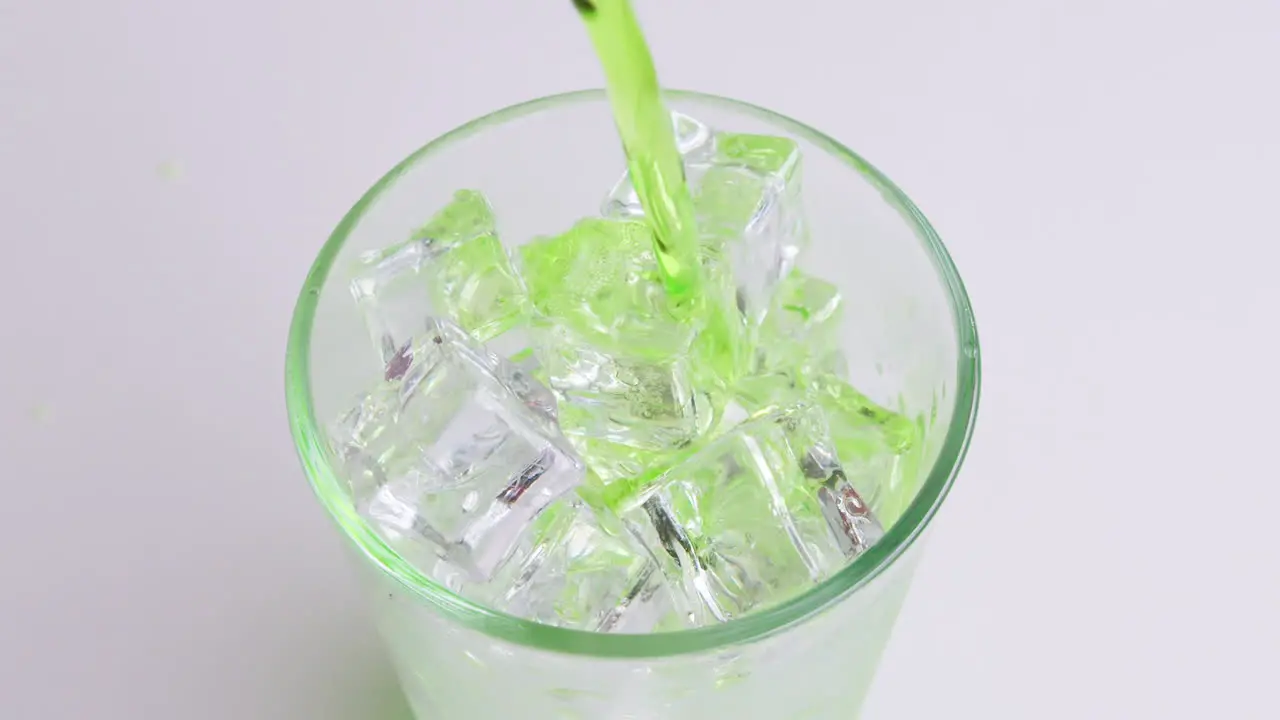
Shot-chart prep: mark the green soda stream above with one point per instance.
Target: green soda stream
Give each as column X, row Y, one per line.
column 657, row 171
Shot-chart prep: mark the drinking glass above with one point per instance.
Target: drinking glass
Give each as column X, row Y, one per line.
column 909, row 337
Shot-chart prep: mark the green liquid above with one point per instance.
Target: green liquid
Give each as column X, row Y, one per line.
column 657, row 171
column 707, row 399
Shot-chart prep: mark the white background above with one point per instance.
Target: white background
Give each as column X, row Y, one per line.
column 1105, row 173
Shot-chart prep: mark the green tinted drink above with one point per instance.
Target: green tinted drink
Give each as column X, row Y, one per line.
column 636, row 437
column 642, row 423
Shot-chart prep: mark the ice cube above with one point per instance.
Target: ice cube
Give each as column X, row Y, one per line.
column 760, row 514
column 800, row 332
column 618, row 360
column 455, row 456
column 453, row 267
column 749, row 203
column 876, row 445
column 694, row 141
column 878, row 448
column 797, row 341
column 746, row 191
column 761, row 390
column 579, row 569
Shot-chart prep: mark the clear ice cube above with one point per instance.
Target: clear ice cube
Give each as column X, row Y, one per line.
column 693, row 138
column 797, row 342
column 746, row 191
column 800, row 332
column 758, row 515
column 876, row 445
column 749, row 204
column 453, row 267
column 454, row 456
column 618, row 360
column 578, row 569
column 694, row 141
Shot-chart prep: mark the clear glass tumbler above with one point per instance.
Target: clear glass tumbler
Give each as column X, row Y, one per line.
column 910, row 340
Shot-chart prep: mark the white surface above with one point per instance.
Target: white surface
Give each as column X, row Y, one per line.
column 1104, row 172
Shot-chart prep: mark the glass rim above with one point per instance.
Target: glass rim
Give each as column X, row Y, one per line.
column 313, row 449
